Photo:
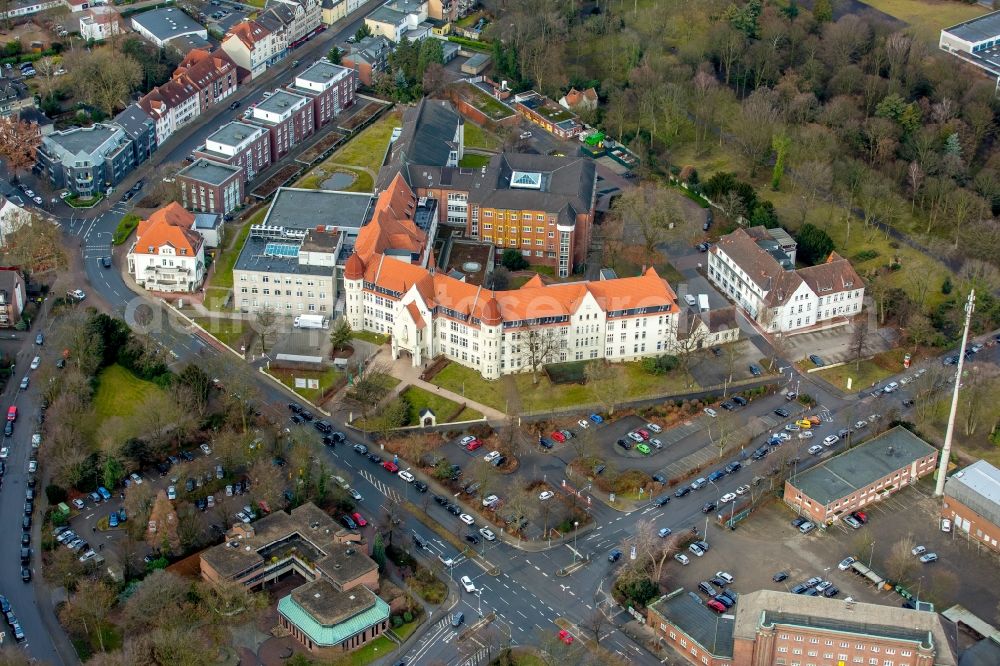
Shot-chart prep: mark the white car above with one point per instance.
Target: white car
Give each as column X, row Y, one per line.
column 743, row 490
column 783, row 436
column 467, row 519
column 682, row 558
column 4, row 451
column 467, row 439
column 35, row 362
column 206, row 449
column 525, row 135
column 815, row 450
column 831, row 440
column 136, row 479
column 728, row 577
column 792, row 427
column 846, row 563
column 806, row 434
column 656, row 443
column 583, row 423
column 405, row 475
column 78, row 294
column 32, row 466
column 918, row 550
column 491, row 456
column 487, row 534
column 36, row 440
column 652, row 427
column 353, row 493
column 171, row 492
column 728, row 497
column 696, row 550
column 490, row 500
column 548, row 494
column 890, row 387
column 24, row 383
column 945, row 525
column 468, row 584
column 636, row 437
column 90, row 554
column 78, row 503
column 711, row 412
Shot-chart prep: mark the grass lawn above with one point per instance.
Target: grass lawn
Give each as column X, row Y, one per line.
column 442, row 407
column 404, row 631
column 223, row 275
column 363, row 182
column 875, row 369
column 367, row 148
column 377, row 649
column 545, row 395
column 493, row 108
column 229, row 331
column 368, row 336
column 928, row 17
column 471, row 161
column 119, row 392
column 477, row 137
column 326, row 379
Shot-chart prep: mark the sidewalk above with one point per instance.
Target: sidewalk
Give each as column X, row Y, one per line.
column 408, row 375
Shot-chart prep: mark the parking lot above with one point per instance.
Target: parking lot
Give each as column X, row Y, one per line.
column 777, row 546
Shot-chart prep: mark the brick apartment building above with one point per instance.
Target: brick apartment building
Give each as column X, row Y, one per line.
column 368, row 57
column 699, row 634
column 213, row 74
column 239, row 144
column 211, row 187
column 864, row 474
column 780, row 628
column 288, row 118
column 972, row 503
column 12, row 297
column 330, row 87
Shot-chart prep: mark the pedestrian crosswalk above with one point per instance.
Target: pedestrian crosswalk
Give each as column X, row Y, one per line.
column 825, row 415
column 380, row 486
column 481, row 655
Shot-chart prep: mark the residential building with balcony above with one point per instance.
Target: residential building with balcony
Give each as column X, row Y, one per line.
column 449, row 10
column 101, row 23
column 168, row 255
column 289, row 118
column 397, row 18
column 755, row 267
column 141, row 129
column 213, row 74
column 368, row 57
column 211, row 187
column 862, row 475
column 330, row 87
column 774, row 627
column 12, row 297
column 254, row 47
column 241, row 145
column 302, row 18
column 336, row 609
column 87, row 160
column 14, row 97
column 171, row 106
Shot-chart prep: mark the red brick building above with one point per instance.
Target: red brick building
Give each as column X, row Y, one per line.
column 288, row 118
column 330, row 87
column 698, row 634
column 239, row 144
column 782, row 628
column 213, row 74
column 211, row 187
column 866, row 473
column 972, row 503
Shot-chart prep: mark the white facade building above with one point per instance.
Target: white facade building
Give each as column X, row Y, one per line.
column 751, row 268
column 168, row 255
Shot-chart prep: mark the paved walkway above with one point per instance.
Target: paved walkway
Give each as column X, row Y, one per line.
column 403, row 370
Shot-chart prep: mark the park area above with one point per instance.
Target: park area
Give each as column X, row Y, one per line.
column 328, row 379
column 866, row 373
column 445, row 410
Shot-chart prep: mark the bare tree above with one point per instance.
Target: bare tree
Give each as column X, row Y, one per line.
column 19, row 142
column 607, row 383
column 654, row 212
column 266, row 318
column 595, row 622
column 369, row 387
column 900, row 562
column 859, row 340
column 537, row 346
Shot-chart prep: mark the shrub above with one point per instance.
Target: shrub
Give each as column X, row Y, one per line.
column 815, row 245
column 125, row 228
column 55, row 494
column 807, row 400
column 407, row 617
column 397, row 621
column 660, row 365
column 866, row 255
column 636, row 592
column 946, row 286
column 513, row 260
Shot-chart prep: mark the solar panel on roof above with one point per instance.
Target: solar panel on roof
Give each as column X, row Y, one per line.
column 281, row 250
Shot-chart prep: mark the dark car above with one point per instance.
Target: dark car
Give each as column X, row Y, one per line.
column 724, row 600
column 294, row 407
column 659, row 478
column 8, row 428
column 306, row 415
column 25, row 538
column 801, row 588
column 843, row 432
column 443, row 501
column 614, row 555
column 138, row 185
column 798, row 522
column 454, row 509
column 457, row 619
column 375, row 458
column 740, row 400
column 625, row 444
column 26, row 577
column 338, row 437
column 235, row 105
column 831, row 591
column 817, row 361
column 296, row 419
column 760, row 453
column 662, row 500
column 681, row 492
column 26, row 523
column 733, row 467
column 545, row 443
column 328, row 440
column 106, row 262
column 323, row 426
column 348, row 522
column 201, row 504
column 716, row 475
column 187, row 455
column 728, row 406
column 472, row 538
column 709, row 507
column 755, row 370
column 780, row 576
column 420, row 486
column 782, row 412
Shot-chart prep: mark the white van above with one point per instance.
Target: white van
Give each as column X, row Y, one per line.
column 690, row 300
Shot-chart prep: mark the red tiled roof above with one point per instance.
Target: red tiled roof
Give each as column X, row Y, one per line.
column 391, row 227
column 170, row 225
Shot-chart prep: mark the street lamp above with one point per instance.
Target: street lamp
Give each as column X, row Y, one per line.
column 576, row 524
column 871, row 555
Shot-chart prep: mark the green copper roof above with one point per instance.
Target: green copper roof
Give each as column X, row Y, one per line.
column 333, row 635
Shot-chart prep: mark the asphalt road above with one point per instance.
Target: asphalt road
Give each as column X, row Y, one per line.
column 27, row 601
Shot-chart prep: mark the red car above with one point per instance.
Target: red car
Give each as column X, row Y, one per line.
column 12, row 413
column 565, row 637
column 473, row 445
column 643, row 433
column 860, row 516
column 359, row 519
column 717, row 606
column 558, row 436
column 390, row 466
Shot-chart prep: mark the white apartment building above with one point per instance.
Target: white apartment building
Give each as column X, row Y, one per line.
column 254, row 47
column 753, row 269
column 168, row 255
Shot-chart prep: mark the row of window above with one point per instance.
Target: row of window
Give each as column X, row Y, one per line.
column 249, row 304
